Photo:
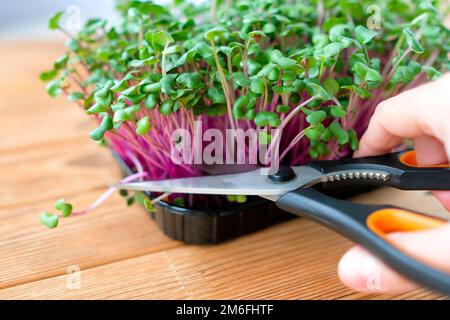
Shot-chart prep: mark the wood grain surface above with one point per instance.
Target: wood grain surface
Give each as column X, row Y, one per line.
column 45, row 153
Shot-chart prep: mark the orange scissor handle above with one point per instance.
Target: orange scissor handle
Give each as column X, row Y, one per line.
column 385, row 221
column 409, row 159
column 369, row 226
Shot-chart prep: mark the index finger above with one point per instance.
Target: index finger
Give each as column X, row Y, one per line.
column 421, row 111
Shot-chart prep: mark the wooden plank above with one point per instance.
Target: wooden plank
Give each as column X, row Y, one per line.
column 55, row 123
column 55, row 170
column 114, row 232
column 295, row 260
column 32, row 116
column 276, row 263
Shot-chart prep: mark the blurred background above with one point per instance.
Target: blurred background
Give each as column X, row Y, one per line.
column 25, row 19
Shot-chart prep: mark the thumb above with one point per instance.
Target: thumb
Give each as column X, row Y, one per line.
column 361, row 271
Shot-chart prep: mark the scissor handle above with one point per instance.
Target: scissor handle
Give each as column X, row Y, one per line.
column 368, row 225
column 399, row 170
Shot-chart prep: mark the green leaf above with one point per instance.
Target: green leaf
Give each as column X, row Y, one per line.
column 250, row 114
column 130, row 201
column 273, row 74
column 282, row 18
column 125, row 114
column 326, row 135
column 337, row 112
column 122, row 84
column 256, row 35
column 373, row 75
column 133, row 98
column 179, row 201
column 267, row 118
column 97, row 134
column 332, row 49
column 107, row 122
column 216, row 95
column 285, row 63
column 322, row 149
column 340, row 31
column 314, row 132
column 215, row 32
column 74, row 96
column 354, row 142
column 143, row 126
column 97, row 108
column 59, row 203
column 136, row 63
column 54, row 88
column 48, row 75
column 257, row 86
column 283, row 108
column 313, row 153
column 149, row 206
column 431, row 72
column 64, row 207
column 365, row 73
column 151, row 87
column 253, row 67
column 419, row 19
column 240, row 79
column 167, row 83
column 317, row 90
column 160, row 39
column 118, row 105
column 320, row 40
column 53, row 22
column 313, row 72
column 172, row 50
column 364, row 35
column 49, row 220
column 166, row 107
column 339, row 133
column 332, row 22
column 103, row 54
column 269, row 28
column 412, row 41
column 298, row 85
column 151, row 101
column 331, row 86
column 240, row 107
column 241, row 198
column 316, row 117
column 361, row 92
column 190, row 80
column 66, row 210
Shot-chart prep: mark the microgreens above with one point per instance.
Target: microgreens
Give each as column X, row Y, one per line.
column 313, row 69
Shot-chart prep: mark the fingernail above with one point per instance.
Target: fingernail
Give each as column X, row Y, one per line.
column 360, row 271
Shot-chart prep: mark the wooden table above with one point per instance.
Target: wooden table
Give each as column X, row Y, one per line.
column 46, row 153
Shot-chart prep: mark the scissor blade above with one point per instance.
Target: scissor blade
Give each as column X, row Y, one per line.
column 247, row 183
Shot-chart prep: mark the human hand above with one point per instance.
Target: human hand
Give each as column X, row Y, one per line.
column 422, row 114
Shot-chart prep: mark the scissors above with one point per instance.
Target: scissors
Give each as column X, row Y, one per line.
column 291, row 189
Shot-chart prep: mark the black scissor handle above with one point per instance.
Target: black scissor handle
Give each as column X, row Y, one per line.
column 368, row 225
column 399, row 170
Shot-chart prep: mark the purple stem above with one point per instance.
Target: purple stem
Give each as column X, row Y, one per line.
column 108, row 193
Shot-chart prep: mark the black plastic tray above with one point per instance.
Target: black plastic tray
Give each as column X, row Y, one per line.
column 199, row 226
